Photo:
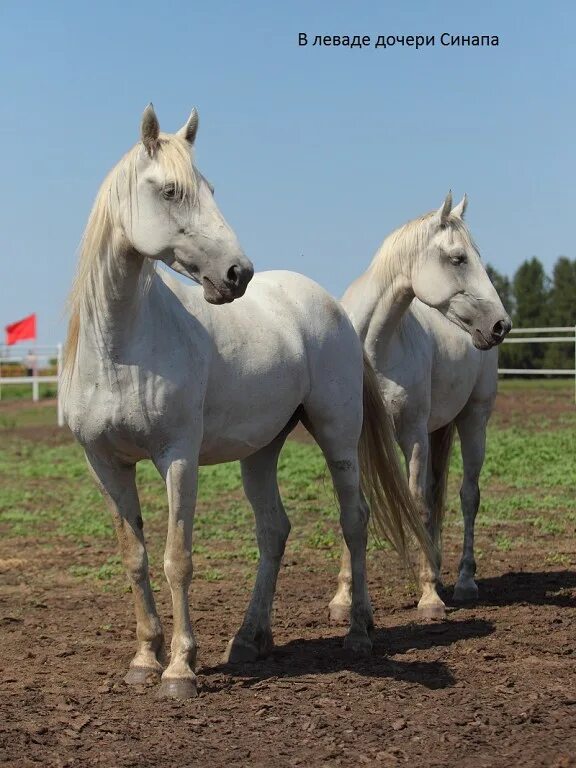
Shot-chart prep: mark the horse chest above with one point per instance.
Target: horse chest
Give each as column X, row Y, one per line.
column 129, row 412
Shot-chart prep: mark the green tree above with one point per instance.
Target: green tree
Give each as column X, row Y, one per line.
column 530, row 288
column 562, row 311
column 503, row 287
column 504, row 291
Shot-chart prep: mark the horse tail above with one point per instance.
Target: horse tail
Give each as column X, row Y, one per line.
column 440, row 450
column 395, row 514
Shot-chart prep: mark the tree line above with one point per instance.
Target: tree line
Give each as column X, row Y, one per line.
column 535, row 300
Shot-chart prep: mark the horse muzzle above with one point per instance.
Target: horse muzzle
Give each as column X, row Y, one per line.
column 496, row 335
column 232, row 287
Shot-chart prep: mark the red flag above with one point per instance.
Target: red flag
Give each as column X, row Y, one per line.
column 23, row 330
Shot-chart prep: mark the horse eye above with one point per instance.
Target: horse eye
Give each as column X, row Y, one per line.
column 169, row 192
column 458, row 258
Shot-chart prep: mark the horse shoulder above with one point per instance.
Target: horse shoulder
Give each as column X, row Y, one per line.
column 460, row 372
column 486, row 385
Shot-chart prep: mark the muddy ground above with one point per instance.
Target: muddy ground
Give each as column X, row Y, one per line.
column 493, row 685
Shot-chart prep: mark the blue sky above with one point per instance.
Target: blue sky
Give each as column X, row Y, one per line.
column 316, row 153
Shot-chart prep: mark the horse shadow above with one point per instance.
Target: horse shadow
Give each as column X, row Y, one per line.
column 317, row 657
column 533, row 588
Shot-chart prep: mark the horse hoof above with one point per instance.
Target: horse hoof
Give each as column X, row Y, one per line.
column 339, row 613
column 178, row 688
column 240, row 651
column 466, row 593
column 358, row 644
column 432, row 611
column 142, row 676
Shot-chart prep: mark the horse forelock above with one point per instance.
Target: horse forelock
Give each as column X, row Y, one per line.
column 397, row 253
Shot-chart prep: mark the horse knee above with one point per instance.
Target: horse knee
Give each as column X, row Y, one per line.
column 136, row 564
column 178, row 569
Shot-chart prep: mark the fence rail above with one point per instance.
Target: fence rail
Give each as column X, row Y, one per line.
column 56, row 350
column 543, row 340
column 11, row 356
column 549, row 329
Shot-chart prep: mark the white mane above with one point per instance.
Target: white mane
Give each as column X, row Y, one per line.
column 401, row 247
column 104, row 239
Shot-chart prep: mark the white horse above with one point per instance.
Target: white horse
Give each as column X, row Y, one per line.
column 429, row 318
column 154, row 371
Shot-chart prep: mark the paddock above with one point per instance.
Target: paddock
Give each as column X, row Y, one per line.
column 492, row 685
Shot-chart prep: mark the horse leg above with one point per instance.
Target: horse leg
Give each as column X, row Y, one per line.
column 340, row 605
column 118, row 485
column 259, row 476
column 354, row 516
column 415, row 447
column 337, row 434
column 181, row 477
column 471, row 427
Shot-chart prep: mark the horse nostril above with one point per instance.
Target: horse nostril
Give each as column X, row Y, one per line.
column 233, row 274
column 497, row 329
column 501, row 328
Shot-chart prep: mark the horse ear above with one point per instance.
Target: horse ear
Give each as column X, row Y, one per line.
column 150, row 130
column 444, row 210
column 190, row 130
column 460, row 209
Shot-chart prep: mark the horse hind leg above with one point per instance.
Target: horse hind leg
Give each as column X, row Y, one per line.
column 337, row 432
column 472, row 431
column 259, row 476
column 118, row 486
column 340, row 606
column 416, row 449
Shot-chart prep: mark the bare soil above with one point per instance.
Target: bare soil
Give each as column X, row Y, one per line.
column 542, row 408
column 493, row 685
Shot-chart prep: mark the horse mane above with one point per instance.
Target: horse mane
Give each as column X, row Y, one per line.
column 402, row 246
column 104, row 239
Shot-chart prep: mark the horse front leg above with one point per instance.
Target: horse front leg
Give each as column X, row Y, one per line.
column 181, row 477
column 118, row 485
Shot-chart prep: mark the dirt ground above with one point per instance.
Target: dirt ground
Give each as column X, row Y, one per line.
column 493, row 685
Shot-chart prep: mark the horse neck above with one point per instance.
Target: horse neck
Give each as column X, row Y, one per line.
column 107, row 323
column 376, row 304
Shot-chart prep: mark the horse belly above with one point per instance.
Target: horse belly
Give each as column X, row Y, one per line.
column 245, row 413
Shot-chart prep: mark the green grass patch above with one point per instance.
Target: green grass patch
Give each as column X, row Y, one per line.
column 537, row 384
column 46, row 492
column 109, row 570
column 24, row 391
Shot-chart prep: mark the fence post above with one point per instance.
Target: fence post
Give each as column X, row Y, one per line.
column 35, row 386
column 58, row 388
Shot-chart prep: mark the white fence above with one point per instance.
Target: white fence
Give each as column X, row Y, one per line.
column 39, row 355
column 46, row 353
column 536, row 338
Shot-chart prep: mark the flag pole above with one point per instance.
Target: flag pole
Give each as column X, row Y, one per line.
column 35, row 385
